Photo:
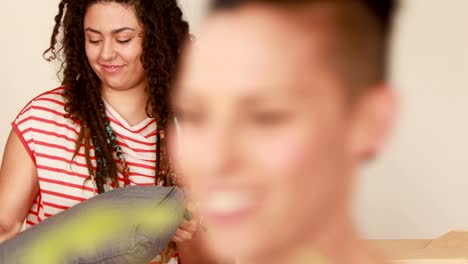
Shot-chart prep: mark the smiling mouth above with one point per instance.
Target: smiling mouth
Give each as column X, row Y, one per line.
column 111, row 68
column 231, row 207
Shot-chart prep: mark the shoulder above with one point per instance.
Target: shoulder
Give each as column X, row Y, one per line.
column 43, row 115
column 52, row 101
column 53, row 98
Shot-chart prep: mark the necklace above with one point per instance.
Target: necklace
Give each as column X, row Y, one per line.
column 111, row 140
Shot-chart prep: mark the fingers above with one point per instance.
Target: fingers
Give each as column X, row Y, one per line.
column 186, row 231
column 190, row 226
column 182, row 236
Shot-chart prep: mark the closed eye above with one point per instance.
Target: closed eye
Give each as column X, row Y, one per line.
column 94, row 41
column 269, row 118
column 124, row 41
column 188, row 115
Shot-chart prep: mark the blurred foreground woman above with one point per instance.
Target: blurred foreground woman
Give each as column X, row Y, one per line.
column 276, row 108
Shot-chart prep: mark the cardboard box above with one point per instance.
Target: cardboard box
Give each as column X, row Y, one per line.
column 451, row 248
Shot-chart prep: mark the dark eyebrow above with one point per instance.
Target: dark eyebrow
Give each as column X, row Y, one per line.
column 115, row 31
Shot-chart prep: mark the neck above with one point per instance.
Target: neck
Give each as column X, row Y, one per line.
column 130, row 103
column 335, row 242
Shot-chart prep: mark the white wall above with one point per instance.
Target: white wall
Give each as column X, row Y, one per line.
column 418, row 188
column 25, row 34
column 193, row 12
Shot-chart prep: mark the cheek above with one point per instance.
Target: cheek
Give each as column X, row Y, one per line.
column 187, row 154
column 137, row 69
column 92, row 53
column 283, row 154
column 298, row 166
column 133, row 54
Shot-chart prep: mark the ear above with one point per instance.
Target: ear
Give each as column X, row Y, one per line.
column 373, row 119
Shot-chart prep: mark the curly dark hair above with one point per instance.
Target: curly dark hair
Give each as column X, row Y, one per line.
column 164, row 34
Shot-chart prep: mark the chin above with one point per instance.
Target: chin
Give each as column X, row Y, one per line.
column 234, row 250
column 117, row 83
column 229, row 245
column 117, row 86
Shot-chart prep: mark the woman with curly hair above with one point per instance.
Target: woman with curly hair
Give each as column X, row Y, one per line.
column 104, row 127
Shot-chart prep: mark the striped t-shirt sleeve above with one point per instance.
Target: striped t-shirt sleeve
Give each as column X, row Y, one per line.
column 23, row 126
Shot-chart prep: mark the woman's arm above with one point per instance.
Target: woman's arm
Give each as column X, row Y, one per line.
column 18, row 187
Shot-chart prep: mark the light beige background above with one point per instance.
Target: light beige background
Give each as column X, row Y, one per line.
column 417, row 189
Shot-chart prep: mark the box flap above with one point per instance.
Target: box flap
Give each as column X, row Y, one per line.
column 452, row 240
column 449, row 248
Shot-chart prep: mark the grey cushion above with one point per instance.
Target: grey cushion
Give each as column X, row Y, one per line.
column 127, row 225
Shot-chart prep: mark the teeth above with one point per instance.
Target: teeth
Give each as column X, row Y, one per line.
column 226, row 202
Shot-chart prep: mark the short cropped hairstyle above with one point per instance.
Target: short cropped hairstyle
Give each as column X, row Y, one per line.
column 360, row 30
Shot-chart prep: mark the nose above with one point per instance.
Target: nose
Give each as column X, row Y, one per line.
column 108, row 52
column 222, row 154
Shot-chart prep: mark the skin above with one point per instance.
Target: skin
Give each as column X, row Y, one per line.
column 268, row 143
column 112, row 38
column 18, row 187
column 113, row 46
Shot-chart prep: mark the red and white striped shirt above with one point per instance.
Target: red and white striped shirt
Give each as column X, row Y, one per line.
column 50, row 140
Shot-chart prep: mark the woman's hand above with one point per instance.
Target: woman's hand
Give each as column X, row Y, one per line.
column 191, row 223
column 186, row 231
column 190, row 246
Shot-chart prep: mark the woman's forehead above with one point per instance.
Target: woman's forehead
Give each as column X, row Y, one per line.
column 111, row 15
